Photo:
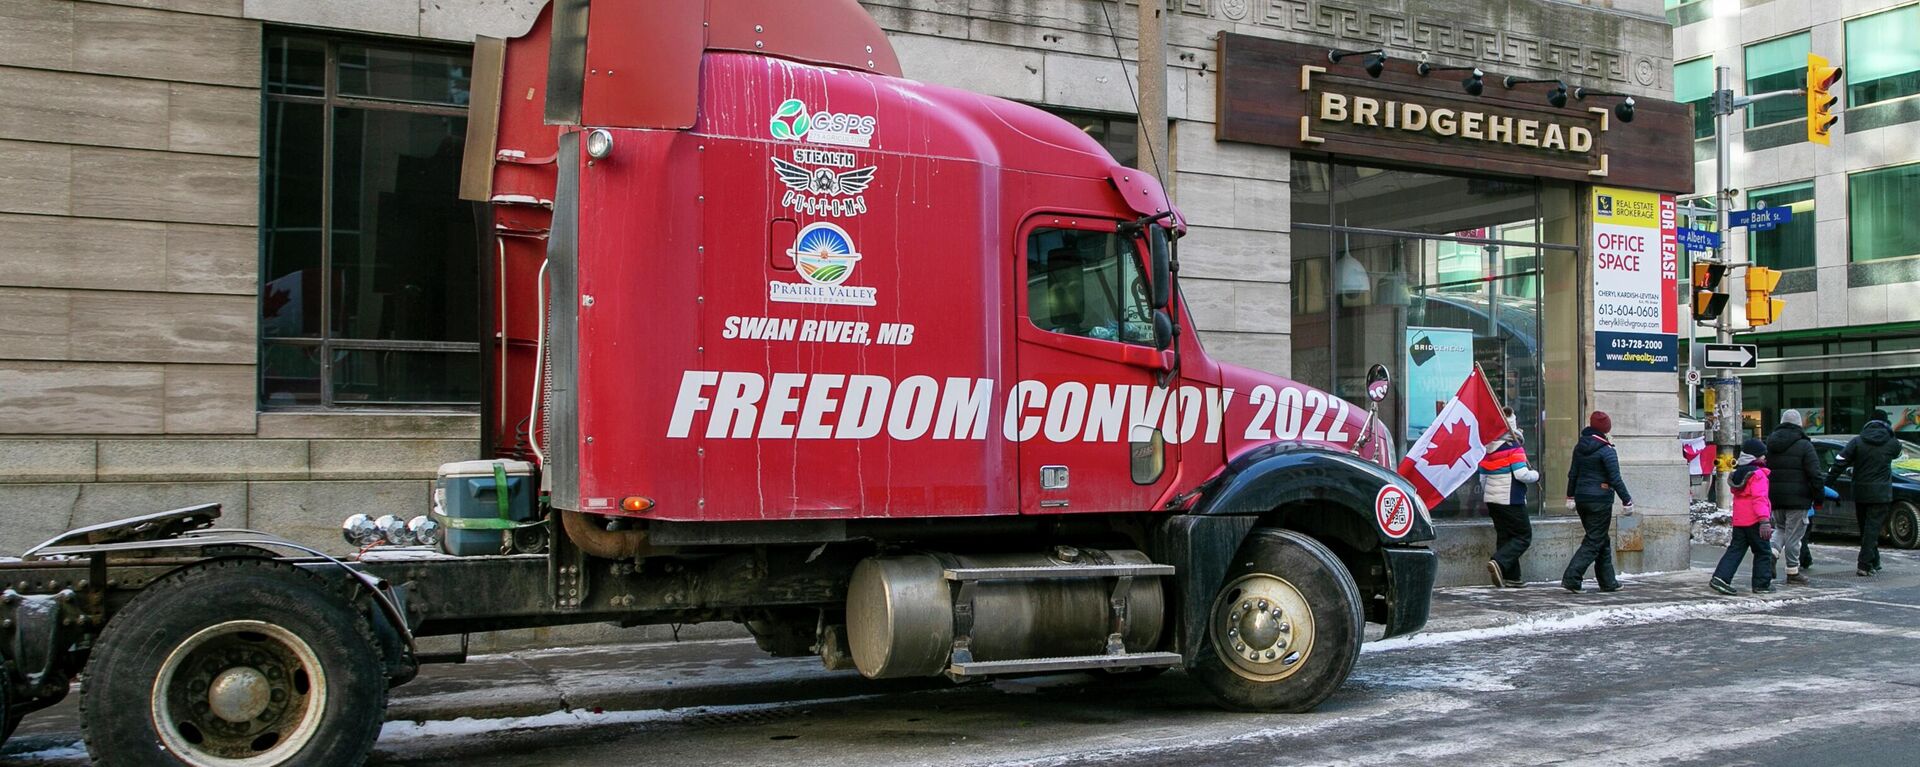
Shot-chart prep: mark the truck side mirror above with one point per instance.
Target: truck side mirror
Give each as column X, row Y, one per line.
column 1162, row 330
column 1378, row 382
column 1160, row 261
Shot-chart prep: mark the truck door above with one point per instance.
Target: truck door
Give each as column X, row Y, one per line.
column 1088, row 404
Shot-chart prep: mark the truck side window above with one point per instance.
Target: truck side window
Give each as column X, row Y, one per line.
column 1087, row 283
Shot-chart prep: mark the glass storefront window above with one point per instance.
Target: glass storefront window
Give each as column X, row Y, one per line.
column 1430, row 275
column 1839, row 402
column 1776, row 65
column 1789, row 245
column 1693, row 86
column 1883, row 62
column 1880, row 211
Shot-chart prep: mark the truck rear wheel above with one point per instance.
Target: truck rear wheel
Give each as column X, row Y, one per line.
column 234, row 662
column 1285, row 628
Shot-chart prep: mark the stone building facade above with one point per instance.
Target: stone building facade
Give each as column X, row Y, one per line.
column 146, row 203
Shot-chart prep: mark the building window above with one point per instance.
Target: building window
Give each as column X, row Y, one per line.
column 1883, row 61
column 1880, row 212
column 1789, row 245
column 1117, row 134
column 1684, row 12
column 369, row 294
column 1693, row 86
column 1777, row 65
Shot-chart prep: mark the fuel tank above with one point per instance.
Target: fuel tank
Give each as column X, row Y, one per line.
column 900, row 610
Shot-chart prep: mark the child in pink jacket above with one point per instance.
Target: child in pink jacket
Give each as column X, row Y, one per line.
column 1752, row 522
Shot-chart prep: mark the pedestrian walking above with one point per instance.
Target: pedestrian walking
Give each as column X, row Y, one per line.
column 1504, row 476
column 1752, row 522
column 1794, row 482
column 1593, row 481
column 1870, row 457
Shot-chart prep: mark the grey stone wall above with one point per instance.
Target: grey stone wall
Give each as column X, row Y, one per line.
column 129, row 190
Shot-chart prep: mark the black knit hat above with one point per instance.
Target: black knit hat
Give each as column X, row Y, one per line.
column 1754, row 447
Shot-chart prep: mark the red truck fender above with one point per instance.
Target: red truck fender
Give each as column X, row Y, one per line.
column 1350, row 505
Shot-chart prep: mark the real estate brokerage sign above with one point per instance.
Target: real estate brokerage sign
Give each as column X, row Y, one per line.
column 1636, row 254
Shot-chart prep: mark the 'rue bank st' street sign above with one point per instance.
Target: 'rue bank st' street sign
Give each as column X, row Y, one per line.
column 1759, row 219
column 1743, row 356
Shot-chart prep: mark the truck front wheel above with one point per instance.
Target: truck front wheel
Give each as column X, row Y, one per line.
column 1285, row 628
column 236, row 661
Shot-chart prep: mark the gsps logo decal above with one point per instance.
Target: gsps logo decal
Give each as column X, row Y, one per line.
column 825, row 256
column 792, row 122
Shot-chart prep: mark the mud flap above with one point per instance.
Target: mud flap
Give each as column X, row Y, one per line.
column 1411, row 572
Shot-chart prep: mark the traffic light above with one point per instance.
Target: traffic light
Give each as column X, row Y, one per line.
column 1762, row 307
column 1708, row 301
column 1821, row 77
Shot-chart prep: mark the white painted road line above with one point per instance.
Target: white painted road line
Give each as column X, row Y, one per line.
column 1878, row 602
column 1820, row 624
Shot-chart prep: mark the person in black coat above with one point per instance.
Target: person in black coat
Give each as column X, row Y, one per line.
column 1794, row 485
column 1592, row 483
column 1870, row 457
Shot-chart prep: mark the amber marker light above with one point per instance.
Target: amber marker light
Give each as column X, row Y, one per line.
column 636, row 503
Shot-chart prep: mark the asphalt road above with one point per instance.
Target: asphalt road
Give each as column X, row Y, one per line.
column 1827, row 676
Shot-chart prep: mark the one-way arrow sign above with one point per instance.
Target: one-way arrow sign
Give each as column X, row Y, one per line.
column 1731, row 355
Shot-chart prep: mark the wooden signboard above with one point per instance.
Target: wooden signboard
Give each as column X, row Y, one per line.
column 1289, row 95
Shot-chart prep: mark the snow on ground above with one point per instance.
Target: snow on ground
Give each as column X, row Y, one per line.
column 1557, row 623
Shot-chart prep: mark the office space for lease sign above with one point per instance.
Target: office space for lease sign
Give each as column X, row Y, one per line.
column 1636, row 254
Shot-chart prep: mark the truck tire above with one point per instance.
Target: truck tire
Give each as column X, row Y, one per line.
column 1284, row 629
column 1903, row 525
column 234, row 661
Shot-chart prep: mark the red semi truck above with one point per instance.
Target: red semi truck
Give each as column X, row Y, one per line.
column 891, row 373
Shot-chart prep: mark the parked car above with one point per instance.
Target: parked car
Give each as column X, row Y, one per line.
column 1903, row 519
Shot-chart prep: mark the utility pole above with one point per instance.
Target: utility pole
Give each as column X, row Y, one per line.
column 1726, row 386
column 1150, row 138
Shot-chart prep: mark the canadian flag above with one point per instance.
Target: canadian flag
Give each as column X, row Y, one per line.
column 1449, row 453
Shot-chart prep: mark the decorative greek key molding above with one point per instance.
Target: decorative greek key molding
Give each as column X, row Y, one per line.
column 1355, row 24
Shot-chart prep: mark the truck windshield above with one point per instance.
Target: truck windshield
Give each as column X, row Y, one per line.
column 1087, row 283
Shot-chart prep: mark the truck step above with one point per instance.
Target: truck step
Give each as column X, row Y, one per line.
column 1074, row 663
column 1055, row 573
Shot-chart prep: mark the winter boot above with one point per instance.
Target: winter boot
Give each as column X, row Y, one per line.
column 1721, row 586
column 1797, row 579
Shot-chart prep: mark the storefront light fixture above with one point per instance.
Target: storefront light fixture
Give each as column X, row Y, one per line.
column 1557, row 96
column 1622, row 110
column 1474, row 83
column 1376, row 61
column 1351, row 276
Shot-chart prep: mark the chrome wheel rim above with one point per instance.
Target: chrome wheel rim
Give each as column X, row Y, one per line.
column 1262, row 627
column 239, row 694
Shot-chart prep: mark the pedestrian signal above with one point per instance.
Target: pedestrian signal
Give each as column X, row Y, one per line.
column 1821, row 77
column 1762, row 307
column 1708, row 300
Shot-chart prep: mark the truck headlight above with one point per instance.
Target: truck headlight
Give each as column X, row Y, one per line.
column 425, row 531
column 359, row 532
